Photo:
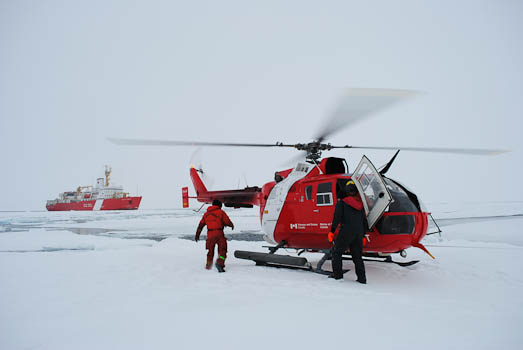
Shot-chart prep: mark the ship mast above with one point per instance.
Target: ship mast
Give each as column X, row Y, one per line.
column 107, row 175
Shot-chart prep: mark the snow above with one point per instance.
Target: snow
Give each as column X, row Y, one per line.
column 128, row 280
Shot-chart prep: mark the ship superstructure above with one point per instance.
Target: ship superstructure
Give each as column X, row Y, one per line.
column 102, row 196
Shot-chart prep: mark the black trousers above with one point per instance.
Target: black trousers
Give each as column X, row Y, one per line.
column 356, row 250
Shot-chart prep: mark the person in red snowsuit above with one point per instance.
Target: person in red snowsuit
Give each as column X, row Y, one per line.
column 215, row 219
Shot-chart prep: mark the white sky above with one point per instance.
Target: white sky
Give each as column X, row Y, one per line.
column 74, row 73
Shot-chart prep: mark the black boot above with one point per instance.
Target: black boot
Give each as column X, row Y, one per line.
column 362, row 280
column 219, row 267
column 332, row 275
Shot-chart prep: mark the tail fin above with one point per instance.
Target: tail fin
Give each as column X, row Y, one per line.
column 245, row 198
column 185, row 197
column 200, row 188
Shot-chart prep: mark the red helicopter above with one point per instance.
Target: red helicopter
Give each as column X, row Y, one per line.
column 296, row 209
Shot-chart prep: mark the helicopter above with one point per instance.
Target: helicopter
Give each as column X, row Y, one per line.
column 297, row 207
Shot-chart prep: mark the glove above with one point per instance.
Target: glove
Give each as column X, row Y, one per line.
column 232, row 227
column 330, row 237
column 196, row 238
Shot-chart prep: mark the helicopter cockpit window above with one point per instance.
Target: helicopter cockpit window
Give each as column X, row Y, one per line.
column 398, row 224
column 401, row 201
column 324, row 194
column 308, row 192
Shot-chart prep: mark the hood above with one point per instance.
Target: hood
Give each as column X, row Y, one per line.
column 213, row 208
column 354, row 201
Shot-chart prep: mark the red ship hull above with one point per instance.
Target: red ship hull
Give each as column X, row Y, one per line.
column 129, row 203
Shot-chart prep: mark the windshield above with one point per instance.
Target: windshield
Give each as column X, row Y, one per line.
column 401, row 201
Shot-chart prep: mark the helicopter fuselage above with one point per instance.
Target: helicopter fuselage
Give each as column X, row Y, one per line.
column 297, row 208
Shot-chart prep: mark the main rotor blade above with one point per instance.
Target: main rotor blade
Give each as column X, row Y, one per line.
column 358, row 104
column 142, row 142
column 469, row 151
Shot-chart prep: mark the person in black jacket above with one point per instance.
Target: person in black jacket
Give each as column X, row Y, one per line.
column 350, row 214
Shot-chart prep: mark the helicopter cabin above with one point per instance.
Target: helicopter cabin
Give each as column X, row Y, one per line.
column 309, row 206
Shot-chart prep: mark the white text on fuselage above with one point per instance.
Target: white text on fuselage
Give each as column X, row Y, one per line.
column 321, row 225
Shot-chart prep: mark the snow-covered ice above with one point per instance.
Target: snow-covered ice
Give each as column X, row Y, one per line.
column 128, row 280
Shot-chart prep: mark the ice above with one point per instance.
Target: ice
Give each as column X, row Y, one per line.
column 126, row 280
column 44, row 240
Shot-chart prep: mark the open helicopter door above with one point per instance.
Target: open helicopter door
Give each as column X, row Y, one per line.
column 374, row 194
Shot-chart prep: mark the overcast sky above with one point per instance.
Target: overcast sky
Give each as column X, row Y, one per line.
column 74, row 73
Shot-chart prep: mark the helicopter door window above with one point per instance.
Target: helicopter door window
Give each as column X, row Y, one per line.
column 375, row 194
column 324, row 194
column 308, row 192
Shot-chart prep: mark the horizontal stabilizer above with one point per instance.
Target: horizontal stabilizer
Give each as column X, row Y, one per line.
column 185, row 197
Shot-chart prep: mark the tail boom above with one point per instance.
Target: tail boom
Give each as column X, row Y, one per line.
column 245, row 198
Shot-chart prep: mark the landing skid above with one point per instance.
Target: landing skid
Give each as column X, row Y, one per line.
column 326, row 256
column 274, row 260
column 403, row 264
column 388, row 259
column 328, row 273
column 301, row 263
column 285, row 261
column 278, row 266
column 385, row 259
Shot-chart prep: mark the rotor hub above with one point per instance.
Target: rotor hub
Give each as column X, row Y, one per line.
column 313, row 149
